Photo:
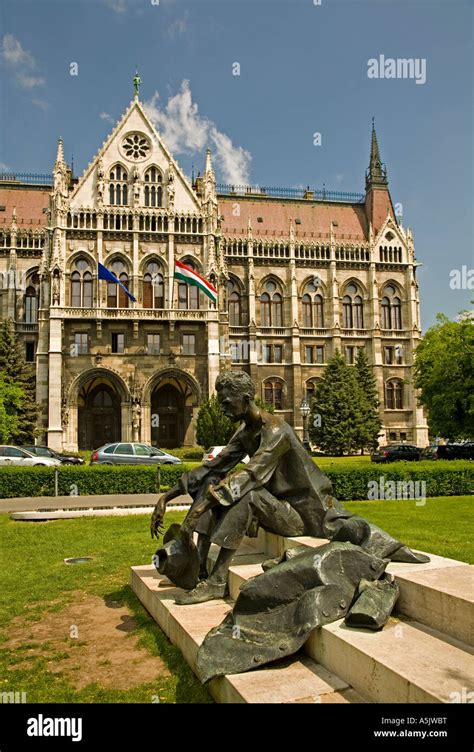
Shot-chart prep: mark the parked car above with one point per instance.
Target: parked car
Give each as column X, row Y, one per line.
column 12, row 455
column 132, row 453
column 449, row 451
column 214, row 451
column 43, row 451
column 396, row 452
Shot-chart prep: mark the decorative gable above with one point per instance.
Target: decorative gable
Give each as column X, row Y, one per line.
column 132, row 150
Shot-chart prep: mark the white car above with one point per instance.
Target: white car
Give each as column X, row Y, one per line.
column 12, row 455
column 214, row 451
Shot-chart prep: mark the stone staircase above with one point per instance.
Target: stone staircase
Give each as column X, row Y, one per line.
column 422, row 655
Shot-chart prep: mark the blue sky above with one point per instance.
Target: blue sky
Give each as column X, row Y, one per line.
column 303, row 69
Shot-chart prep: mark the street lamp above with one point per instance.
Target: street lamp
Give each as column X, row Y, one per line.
column 305, row 411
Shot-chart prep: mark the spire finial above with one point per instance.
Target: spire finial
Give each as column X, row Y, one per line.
column 60, row 152
column 376, row 174
column 208, row 167
column 136, row 83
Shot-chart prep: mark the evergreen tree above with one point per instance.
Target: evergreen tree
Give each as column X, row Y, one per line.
column 11, row 398
column 213, row 428
column 370, row 425
column 19, row 373
column 334, row 422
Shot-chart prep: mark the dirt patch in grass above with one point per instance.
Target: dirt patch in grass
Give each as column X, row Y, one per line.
column 90, row 641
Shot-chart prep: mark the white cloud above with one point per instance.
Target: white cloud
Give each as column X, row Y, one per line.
column 4, row 167
column 21, row 62
column 41, row 104
column 119, row 6
column 178, row 27
column 29, row 82
column 14, row 54
column 185, row 131
column 107, row 117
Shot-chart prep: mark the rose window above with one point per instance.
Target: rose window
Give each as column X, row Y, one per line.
column 135, row 146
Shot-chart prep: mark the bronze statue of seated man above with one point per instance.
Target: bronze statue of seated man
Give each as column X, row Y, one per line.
column 281, row 490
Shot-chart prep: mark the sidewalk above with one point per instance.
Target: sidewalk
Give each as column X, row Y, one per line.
column 105, row 501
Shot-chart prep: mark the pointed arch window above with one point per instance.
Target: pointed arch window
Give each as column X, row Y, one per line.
column 81, row 285
column 153, row 286
column 153, row 187
column 391, row 309
column 271, row 306
column 273, row 393
column 188, row 295
column 394, row 395
column 31, row 305
column 235, row 304
column 118, row 187
column 352, row 309
column 116, row 296
column 311, row 387
column 312, row 307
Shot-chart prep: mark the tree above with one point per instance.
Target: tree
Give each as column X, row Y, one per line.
column 213, row 427
column 337, row 409
column 11, row 399
column 264, row 405
column 444, row 374
column 19, row 373
column 370, row 424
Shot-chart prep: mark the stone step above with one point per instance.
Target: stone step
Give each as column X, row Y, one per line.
column 439, row 594
column 406, row 662
column 297, row 679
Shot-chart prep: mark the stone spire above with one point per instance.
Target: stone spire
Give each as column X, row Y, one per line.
column 209, row 180
column 60, row 154
column 376, row 175
column 60, row 179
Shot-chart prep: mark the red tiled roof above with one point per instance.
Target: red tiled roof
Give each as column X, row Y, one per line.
column 29, row 203
column 315, row 216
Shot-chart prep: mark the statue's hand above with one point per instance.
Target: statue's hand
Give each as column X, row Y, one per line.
column 156, row 524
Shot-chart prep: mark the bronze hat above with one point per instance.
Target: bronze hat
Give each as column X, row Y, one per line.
column 178, row 558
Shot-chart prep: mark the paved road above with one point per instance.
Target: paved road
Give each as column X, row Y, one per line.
column 106, row 501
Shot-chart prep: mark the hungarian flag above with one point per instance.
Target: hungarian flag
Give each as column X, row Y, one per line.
column 109, row 277
column 185, row 274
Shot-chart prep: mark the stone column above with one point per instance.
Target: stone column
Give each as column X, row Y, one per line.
column 212, row 350
column 55, row 431
column 135, row 256
column 71, row 440
column 145, row 428
column 170, row 275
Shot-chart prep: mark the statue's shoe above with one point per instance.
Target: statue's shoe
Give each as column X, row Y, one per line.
column 204, row 591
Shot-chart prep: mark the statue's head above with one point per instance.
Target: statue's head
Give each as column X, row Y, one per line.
column 235, row 392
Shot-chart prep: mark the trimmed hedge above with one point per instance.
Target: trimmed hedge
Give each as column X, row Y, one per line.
column 443, row 478
column 101, row 479
column 187, row 453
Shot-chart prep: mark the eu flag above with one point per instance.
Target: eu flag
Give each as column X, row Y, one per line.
column 109, row 277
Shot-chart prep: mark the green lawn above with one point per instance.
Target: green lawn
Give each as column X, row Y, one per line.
column 36, row 583
column 37, row 586
column 443, row 525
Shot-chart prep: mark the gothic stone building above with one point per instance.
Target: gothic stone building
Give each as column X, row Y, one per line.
column 299, row 274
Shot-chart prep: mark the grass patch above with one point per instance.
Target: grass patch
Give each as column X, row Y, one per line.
column 441, row 526
column 37, row 583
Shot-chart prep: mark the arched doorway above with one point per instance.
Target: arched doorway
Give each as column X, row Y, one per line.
column 99, row 414
column 167, row 416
